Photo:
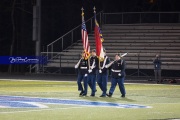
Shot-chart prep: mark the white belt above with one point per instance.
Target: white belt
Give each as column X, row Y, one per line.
column 83, row 67
column 115, row 70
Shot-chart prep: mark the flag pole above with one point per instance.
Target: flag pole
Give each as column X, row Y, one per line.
column 82, row 14
column 95, row 24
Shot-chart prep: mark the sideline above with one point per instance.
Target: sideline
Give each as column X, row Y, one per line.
column 29, row 80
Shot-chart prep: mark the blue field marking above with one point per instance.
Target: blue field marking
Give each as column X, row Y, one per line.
column 16, row 104
column 29, row 102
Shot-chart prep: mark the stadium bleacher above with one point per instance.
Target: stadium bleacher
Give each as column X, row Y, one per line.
column 141, row 41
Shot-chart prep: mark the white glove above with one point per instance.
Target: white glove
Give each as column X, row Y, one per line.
column 76, row 66
column 89, row 70
column 106, row 66
column 85, row 75
column 92, row 67
column 100, row 71
column 119, row 74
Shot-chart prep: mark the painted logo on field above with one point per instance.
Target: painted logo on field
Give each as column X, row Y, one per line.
column 30, row 102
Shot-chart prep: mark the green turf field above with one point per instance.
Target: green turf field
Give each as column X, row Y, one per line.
column 164, row 100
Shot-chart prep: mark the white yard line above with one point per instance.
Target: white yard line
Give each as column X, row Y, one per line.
column 76, row 81
column 35, row 80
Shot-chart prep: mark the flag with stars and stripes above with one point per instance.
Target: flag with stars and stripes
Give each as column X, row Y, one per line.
column 85, row 40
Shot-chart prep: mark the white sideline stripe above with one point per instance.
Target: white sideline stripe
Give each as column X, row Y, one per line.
column 76, row 81
column 31, row 103
column 37, row 104
column 151, row 84
column 35, row 80
column 40, row 110
column 5, row 91
column 164, row 103
column 3, row 107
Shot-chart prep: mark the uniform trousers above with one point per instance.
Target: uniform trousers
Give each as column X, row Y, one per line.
column 120, row 82
column 157, row 73
column 81, row 78
column 92, row 83
column 102, row 80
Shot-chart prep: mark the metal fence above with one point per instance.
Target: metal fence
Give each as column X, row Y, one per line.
column 74, row 35
column 53, row 49
column 71, row 37
column 141, row 17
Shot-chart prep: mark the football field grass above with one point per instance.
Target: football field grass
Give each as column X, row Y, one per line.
column 59, row 100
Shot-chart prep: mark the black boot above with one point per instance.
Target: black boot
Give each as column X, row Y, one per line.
column 81, row 93
column 102, row 96
column 109, row 95
column 123, row 96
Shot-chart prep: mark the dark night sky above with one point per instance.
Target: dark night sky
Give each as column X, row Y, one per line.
column 60, row 16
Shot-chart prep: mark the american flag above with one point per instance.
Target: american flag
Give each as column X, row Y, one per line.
column 85, row 40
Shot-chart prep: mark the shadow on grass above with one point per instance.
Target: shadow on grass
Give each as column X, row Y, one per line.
column 108, row 99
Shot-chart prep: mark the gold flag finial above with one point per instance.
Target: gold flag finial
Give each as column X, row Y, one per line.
column 82, row 9
column 94, row 9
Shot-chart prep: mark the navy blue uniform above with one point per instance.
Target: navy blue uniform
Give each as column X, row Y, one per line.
column 102, row 77
column 82, row 76
column 157, row 64
column 92, row 74
column 118, row 75
column 157, row 69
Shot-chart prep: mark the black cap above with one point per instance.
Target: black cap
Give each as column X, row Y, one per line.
column 93, row 50
column 118, row 54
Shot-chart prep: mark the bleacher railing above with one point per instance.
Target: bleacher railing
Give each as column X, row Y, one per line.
column 67, row 40
column 74, row 35
column 70, row 37
column 136, row 65
column 141, row 17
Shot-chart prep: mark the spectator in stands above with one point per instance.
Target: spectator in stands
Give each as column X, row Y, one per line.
column 157, row 68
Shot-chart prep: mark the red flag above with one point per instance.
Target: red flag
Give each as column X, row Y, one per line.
column 85, row 40
column 99, row 39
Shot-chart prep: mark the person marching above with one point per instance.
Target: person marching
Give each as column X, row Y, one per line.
column 102, row 77
column 82, row 67
column 118, row 75
column 92, row 69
